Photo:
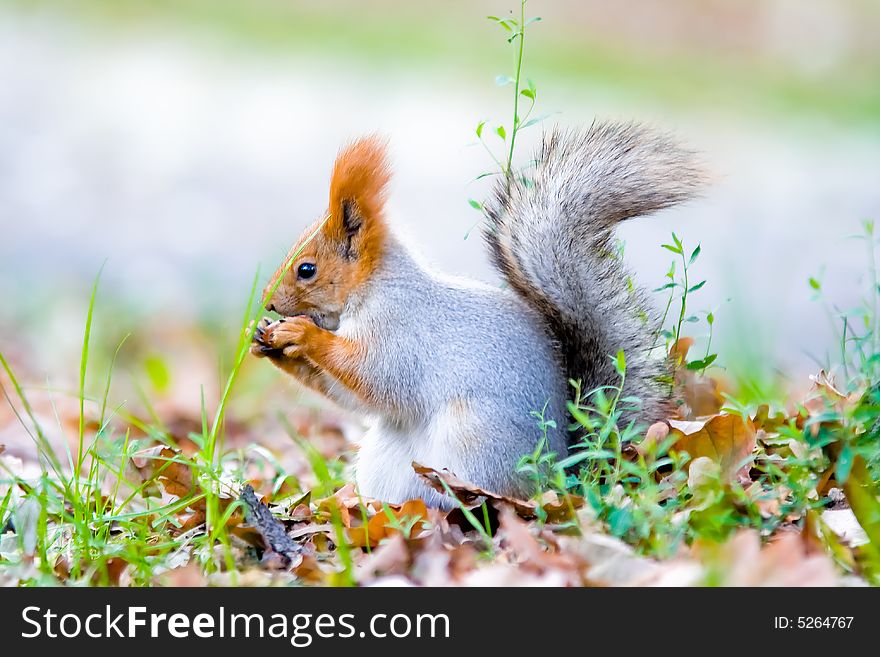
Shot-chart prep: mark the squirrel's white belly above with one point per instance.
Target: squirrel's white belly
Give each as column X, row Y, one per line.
column 384, row 462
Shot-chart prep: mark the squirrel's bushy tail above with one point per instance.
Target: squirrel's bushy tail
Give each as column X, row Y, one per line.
column 551, row 238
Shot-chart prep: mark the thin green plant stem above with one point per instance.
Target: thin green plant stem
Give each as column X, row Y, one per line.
column 683, row 296
column 109, row 378
column 516, row 82
column 84, row 359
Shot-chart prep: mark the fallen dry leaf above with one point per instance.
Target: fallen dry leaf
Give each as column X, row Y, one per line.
column 726, row 439
column 558, row 509
column 368, row 534
column 785, row 561
column 702, row 472
column 441, row 561
column 843, row 522
column 467, row 493
column 516, row 533
column 769, row 423
column 825, row 382
column 679, row 350
column 158, row 463
column 700, row 394
column 390, row 558
column 825, row 393
column 381, row 526
column 190, row 575
column 608, row 561
column 365, row 520
column 113, row 572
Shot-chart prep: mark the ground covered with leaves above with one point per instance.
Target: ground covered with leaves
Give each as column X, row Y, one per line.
column 258, row 492
column 145, row 455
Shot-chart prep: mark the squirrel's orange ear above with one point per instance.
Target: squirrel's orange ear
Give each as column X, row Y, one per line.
column 357, row 196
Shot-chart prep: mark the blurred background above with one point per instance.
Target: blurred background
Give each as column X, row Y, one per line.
column 184, row 144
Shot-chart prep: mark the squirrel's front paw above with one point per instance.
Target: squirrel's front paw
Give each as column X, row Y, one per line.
column 258, row 346
column 288, row 335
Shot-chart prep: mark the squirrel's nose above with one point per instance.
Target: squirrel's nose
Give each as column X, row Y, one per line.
column 270, row 307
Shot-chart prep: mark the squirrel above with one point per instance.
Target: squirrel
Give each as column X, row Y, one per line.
column 453, row 371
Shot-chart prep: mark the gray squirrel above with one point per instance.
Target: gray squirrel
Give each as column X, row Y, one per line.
column 450, row 370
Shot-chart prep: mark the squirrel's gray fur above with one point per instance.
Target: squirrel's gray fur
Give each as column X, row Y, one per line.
column 457, row 369
column 550, row 235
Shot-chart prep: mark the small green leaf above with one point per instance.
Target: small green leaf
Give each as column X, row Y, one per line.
column 694, row 255
column 710, row 319
column 503, row 22
column 574, row 459
column 674, row 249
column 579, row 416
column 816, row 285
column 696, row 287
column 702, row 363
column 528, row 93
column 476, row 205
column 501, row 132
column 844, row 464
column 480, row 126
column 620, row 363
column 619, row 521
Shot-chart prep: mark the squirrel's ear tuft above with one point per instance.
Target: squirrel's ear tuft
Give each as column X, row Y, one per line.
column 357, row 193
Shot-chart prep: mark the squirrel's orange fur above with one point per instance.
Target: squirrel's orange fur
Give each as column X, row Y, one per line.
column 360, row 177
column 342, row 359
column 347, row 247
column 302, row 340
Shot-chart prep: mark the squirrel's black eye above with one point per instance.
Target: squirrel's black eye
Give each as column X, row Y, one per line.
column 306, row 270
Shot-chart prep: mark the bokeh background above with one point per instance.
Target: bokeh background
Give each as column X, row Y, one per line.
column 184, row 144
